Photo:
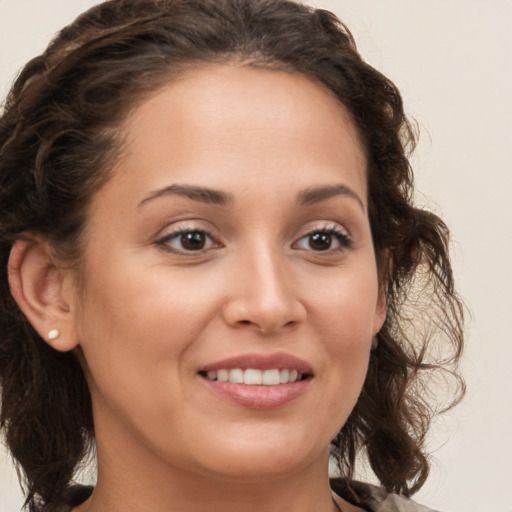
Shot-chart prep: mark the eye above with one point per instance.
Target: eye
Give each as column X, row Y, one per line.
column 324, row 240
column 187, row 240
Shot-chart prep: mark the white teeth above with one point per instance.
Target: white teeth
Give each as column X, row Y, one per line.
column 270, row 378
column 254, row 377
column 223, row 375
column 236, row 376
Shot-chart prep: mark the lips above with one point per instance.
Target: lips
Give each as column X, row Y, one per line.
column 258, row 381
column 261, row 362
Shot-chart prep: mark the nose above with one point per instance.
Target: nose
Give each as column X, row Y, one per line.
column 263, row 295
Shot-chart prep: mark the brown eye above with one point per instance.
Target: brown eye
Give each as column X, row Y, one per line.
column 324, row 240
column 320, row 241
column 186, row 241
column 193, row 241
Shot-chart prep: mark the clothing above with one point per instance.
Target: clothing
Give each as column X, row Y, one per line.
column 369, row 497
column 375, row 499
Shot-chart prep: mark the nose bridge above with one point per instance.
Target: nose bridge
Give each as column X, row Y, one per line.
column 270, row 276
column 264, row 296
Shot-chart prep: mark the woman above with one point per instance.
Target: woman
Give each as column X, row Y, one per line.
column 212, row 267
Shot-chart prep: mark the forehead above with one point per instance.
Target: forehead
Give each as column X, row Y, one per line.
column 259, row 123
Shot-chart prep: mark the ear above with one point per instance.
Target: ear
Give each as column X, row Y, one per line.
column 44, row 292
column 381, row 309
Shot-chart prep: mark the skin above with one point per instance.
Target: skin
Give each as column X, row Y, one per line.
column 151, row 314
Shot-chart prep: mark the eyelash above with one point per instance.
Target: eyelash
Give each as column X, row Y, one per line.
column 178, row 234
column 341, row 236
column 344, row 240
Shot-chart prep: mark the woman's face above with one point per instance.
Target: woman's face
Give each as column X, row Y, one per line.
column 231, row 291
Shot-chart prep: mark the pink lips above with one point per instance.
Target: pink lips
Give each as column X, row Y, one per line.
column 261, row 362
column 259, row 396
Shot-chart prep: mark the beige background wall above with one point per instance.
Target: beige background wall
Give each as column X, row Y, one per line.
column 452, row 59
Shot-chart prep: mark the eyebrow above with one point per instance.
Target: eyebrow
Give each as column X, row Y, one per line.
column 201, row 194
column 220, row 198
column 315, row 195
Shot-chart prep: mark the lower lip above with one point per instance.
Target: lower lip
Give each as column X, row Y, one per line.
column 258, row 397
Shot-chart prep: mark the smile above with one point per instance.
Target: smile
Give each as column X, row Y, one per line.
column 258, row 381
column 254, row 376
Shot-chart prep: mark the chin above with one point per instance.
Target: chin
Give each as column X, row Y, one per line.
column 268, row 459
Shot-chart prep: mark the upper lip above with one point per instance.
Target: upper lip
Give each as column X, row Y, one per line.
column 278, row 360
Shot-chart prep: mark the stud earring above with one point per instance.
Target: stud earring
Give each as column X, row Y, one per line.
column 375, row 343
column 53, row 334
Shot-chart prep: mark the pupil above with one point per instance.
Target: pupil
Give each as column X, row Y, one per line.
column 320, row 241
column 193, row 241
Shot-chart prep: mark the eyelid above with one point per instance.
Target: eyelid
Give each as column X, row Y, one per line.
column 324, row 225
column 182, row 227
column 342, row 234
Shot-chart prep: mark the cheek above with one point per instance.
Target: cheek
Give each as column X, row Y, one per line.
column 347, row 306
column 135, row 336
column 131, row 299
column 140, row 322
column 348, row 302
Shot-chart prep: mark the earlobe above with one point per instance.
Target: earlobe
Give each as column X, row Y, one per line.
column 38, row 286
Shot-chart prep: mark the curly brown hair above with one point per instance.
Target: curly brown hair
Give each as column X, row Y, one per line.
column 58, row 144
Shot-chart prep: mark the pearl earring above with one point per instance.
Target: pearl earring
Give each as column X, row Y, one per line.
column 53, row 334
